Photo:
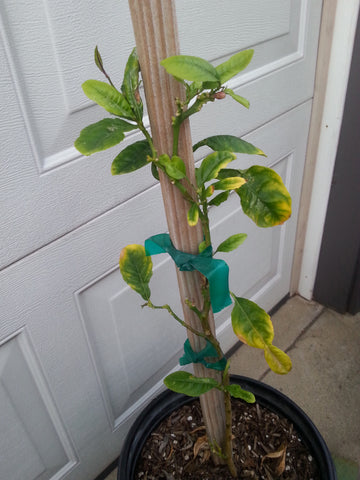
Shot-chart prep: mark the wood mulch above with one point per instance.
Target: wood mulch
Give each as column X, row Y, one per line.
column 265, row 445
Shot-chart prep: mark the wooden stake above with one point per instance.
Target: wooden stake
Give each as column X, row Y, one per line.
column 156, row 36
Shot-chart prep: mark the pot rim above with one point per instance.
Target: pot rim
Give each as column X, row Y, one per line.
column 167, row 401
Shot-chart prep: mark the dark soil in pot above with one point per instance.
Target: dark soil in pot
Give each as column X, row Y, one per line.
column 273, row 439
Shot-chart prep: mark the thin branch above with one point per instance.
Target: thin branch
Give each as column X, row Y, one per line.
column 173, row 314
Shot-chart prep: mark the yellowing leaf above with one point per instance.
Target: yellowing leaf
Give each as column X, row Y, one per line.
column 174, row 166
column 278, row 361
column 230, row 183
column 209, row 191
column 136, row 269
column 264, row 197
column 251, row 324
column 193, row 215
column 211, row 165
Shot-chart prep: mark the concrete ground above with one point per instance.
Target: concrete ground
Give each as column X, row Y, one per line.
column 325, row 379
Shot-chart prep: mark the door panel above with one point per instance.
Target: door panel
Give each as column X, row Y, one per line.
column 48, row 188
column 100, row 328
column 74, row 341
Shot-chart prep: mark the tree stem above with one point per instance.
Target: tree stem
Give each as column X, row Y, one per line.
column 177, row 318
column 228, row 441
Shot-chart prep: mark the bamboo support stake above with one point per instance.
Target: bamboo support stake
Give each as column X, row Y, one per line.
column 155, row 28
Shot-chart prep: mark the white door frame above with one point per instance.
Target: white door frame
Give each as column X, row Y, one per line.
column 334, row 61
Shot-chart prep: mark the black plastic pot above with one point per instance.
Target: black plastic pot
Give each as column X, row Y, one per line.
column 266, row 396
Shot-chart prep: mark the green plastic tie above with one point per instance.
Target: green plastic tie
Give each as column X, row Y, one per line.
column 215, row 270
column 199, row 357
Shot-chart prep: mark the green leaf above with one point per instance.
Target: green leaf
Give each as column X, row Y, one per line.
column 219, row 199
column 154, row 171
column 237, row 392
column 229, row 173
column 130, row 86
column 193, row 215
column 174, row 166
column 229, row 183
column 191, row 68
column 277, row 360
column 136, row 269
column 192, row 89
column 234, row 65
column 202, row 246
column 107, row 97
column 264, row 197
column 243, row 101
column 131, row 158
column 232, row 242
column 211, row 85
column 251, row 324
column 230, row 144
column 184, row 382
column 211, row 165
column 102, row 135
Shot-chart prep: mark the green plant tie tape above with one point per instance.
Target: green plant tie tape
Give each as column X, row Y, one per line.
column 215, row 270
column 199, row 357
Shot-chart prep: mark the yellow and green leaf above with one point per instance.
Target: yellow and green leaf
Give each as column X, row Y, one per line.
column 253, row 326
column 211, row 165
column 277, row 360
column 264, row 197
column 136, row 269
column 230, row 183
column 209, row 190
column 193, row 215
column 174, row 166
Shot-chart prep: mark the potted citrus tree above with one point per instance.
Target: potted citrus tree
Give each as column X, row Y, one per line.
column 264, row 199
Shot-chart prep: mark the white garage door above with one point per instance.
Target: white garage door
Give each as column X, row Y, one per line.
column 77, row 359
